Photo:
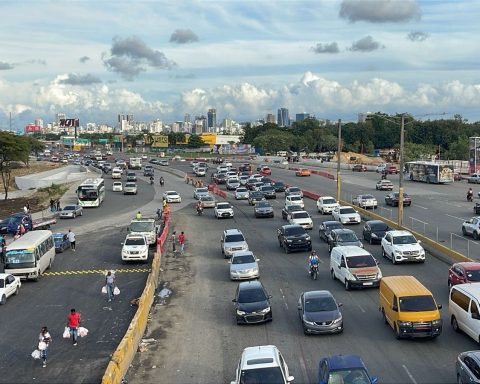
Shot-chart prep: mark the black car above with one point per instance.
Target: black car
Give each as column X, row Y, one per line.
column 325, row 228
column 320, row 313
column 268, row 191
column 266, row 181
column 254, row 196
column 279, row 186
column 392, row 199
column 252, row 303
column 293, row 237
column 290, row 208
column 374, row 231
column 342, row 237
column 221, row 178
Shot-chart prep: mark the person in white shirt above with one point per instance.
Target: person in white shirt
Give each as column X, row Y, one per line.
column 44, row 340
column 71, row 238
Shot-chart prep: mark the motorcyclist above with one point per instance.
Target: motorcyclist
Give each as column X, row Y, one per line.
column 151, row 179
column 312, row 261
column 384, row 174
column 199, row 206
column 470, row 194
column 162, row 181
column 138, row 216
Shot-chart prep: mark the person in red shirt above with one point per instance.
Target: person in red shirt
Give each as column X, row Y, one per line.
column 73, row 322
column 181, row 241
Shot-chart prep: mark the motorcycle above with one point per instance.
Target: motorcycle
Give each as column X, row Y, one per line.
column 151, row 181
column 314, row 272
column 384, row 176
column 470, row 196
column 199, row 211
column 162, row 182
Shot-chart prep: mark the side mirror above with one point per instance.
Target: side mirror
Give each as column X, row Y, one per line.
column 439, row 306
column 340, row 304
column 257, row 259
column 299, row 307
column 128, row 229
column 290, row 378
column 419, row 241
column 229, row 261
column 270, row 296
column 374, row 380
column 394, row 308
column 122, row 243
column 475, row 316
column 342, row 265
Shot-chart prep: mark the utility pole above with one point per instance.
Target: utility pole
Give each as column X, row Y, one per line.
column 401, row 173
column 339, row 151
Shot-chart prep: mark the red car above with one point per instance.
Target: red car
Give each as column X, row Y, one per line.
column 359, row 168
column 265, row 171
column 391, row 169
column 464, row 272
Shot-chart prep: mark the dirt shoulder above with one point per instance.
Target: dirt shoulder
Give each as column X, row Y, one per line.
column 34, row 167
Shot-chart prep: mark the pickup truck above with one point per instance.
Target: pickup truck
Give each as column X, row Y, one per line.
column 10, row 224
column 146, row 227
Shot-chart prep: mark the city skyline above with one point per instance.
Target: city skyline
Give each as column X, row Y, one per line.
column 164, row 59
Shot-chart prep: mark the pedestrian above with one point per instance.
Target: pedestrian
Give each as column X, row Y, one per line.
column 174, row 234
column 57, row 205
column 44, row 340
column 25, row 209
column 110, row 283
column 181, row 241
column 71, row 238
column 138, row 216
column 73, row 322
column 28, row 207
column 52, row 205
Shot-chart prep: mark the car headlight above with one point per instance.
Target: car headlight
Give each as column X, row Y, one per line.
column 398, row 253
column 436, row 323
column 374, row 235
column 379, row 275
column 289, row 241
column 308, row 238
column 266, row 310
column 404, row 323
column 336, row 321
column 308, row 322
column 240, row 313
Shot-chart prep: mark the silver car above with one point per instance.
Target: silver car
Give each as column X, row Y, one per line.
column 130, row 189
column 71, row 211
column 241, row 193
column 467, row 367
column 198, row 192
column 243, row 266
column 208, row 201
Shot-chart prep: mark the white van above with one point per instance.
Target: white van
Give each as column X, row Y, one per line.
column 30, row 255
column 117, row 173
column 354, row 267
column 463, row 309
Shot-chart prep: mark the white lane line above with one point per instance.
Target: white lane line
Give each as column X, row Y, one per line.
column 454, row 205
column 355, row 301
column 409, row 374
column 455, row 217
column 283, row 298
column 419, row 206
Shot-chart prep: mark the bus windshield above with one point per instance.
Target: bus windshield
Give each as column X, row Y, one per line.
column 17, row 256
column 87, row 194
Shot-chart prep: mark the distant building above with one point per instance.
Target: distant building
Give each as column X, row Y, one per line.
column 211, row 120
column 283, row 119
column 187, row 119
column 125, row 123
column 200, row 125
column 271, row 118
column 362, row 117
column 302, row 116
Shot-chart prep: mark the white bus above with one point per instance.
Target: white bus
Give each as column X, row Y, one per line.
column 91, row 192
column 30, row 255
column 429, row 172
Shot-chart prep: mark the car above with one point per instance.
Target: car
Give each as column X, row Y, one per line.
column 326, row 227
column 263, row 209
column 359, row 168
column 252, row 303
column 279, row 186
column 223, row 210
column 301, row 218
column 148, row 170
column 326, row 204
column 374, row 230
column 117, row 186
column 200, row 171
column 302, row 172
column 380, row 168
column 243, row 266
column 131, row 176
column 243, row 179
column 260, row 166
column 232, row 184
column 154, row 161
column 232, row 240
column 254, row 197
column 287, row 209
column 245, row 167
column 343, row 237
column 61, row 242
column 220, row 178
column 293, row 191
column 402, row 246
column 9, row 285
column 265, row 171
column 249, row 184
column 467, row 367
column 464, row 272
column 391, row 169
column 268, row 191
column 208, row 201
column 345, row 369
column 472, row 227
column 172, row 197
column 71, row 211
column 232, row 175
column 474, row 178
column 199, row 192
column 346, row 215
column 384, row 185
column 130, row 189
column 144, row 157
column 135, row 248
column 365, row 201
column 262, row 364
column 319, row 313
column 293, row 237
column 257, row 185
column 392, row 199
column 294, row 200
column 241, row 193
column 228, row 164
column 163, row 163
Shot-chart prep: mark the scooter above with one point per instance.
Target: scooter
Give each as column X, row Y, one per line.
column 314, row 272
column 199, row 211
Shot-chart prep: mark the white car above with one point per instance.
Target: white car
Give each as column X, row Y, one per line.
column 241, row 193
column 402, row 246
column 326, row 204
column 163, row 163
column 222, row 210
column 135, row 248
column 130, row 189
column 117, row 186
column 380, row 168
column 365, row 201
column 232, row 184
column 71, row 211
column 9, row 285
column 199, row 192
column 294, row 200
column 243, row 266
column 243, row 179
column 301, row 218
column 346, row 215
column 200, row 172
column 172, row 197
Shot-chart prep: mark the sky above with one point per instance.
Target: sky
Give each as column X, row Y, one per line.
column 93, row 60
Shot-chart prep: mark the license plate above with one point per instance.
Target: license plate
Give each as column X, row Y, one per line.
column 368, row 283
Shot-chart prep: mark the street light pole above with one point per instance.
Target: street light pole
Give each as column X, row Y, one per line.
column 339, row 151
column 400, row 179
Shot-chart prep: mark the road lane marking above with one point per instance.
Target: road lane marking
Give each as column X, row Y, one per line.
column 455, row 217
column 95, row 271
column 409, row 374
column 419, row 206
column 283, row 298
column 355, row 301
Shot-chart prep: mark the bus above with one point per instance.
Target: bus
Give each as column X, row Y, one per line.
column 30, row 255
column 91, row 192
column 429, row 172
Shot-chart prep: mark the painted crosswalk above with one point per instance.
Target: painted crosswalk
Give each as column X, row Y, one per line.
column 96, row 271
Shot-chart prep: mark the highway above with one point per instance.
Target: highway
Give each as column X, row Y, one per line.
column 198, row 341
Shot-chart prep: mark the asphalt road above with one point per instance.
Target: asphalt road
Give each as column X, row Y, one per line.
column 197, row 340
column 100, row 232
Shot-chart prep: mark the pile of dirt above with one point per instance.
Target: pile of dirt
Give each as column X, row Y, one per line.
column 358, row 158
column 33, row 167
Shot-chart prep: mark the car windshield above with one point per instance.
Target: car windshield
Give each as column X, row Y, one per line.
column 349, row 376
column 329, row 201
column 417, row 303
column 256, row 194
column 279, row 184
column 361, row 261
column 68, row 208
column 333, row 225
column 130, row 185
column 367, row 197
column 262, row 204
column 16, row 256
column 117, row 184
column 142, row 226
column 294, row 208
column 294, row 231
column 251, row 295
column 295, row 198
column 344, row 211
column 135, row 241
column 300, row 215
column 206, row 198
column 270, row 375
column 234, row 238
column 243, row 259
column 293, row 189
column 323, row 304
column 267, row 188
column 242, row 190
column 58, row 237
column 223, row 206
column 473, row 275
column 202, row 190
column 406, row 239
column 172, row 193
column 347, row 236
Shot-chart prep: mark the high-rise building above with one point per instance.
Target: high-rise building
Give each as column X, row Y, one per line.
column 283, row 119
column 211, row 120
column 187, row 120
column 270, row 118
column 301, row 116
column 125, row 122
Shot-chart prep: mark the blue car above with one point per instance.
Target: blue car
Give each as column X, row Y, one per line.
column 345, row 369
column 61, row 242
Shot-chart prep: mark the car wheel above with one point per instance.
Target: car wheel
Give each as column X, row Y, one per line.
column 333, row 274
column 384, row 317
column 397, row 332
column 17, row 290
column 459, row 380
column 74, row 215
column 81, row 213
column 455, row 326
column 384, row 254
column 287, row 251
column 280, row 243
column 475, row 235
column 305, row 331
column 3, row 300
column 347, row 285
column 393, row 259
column 464, row 232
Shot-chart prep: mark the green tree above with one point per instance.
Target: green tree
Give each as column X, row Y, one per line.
column 35, row 145
column 195, row 141
column 12, row 150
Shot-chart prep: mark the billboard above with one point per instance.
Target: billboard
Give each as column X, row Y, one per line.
column 159, row 141
column 474, row 154
column 233, row 149
column 65, row 123
column 32, row 128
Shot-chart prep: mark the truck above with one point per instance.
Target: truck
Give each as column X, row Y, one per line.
column 135, row 163
column 10, row 224
column 145, row 226
column 429, row 172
